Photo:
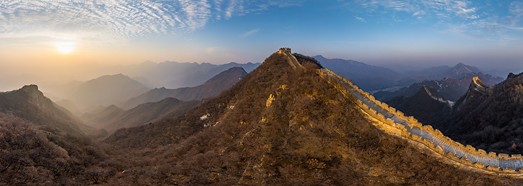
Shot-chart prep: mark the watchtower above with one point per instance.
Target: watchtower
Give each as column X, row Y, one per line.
column 284, row 50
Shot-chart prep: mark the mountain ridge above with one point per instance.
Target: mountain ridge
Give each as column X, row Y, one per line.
column 210, row 88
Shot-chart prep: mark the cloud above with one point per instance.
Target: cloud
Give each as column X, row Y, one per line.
column 126, row 18
column 360, row 19
column 480, row 19
column 250, row 32
column 437, row 8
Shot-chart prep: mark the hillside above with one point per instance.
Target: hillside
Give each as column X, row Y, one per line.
column 42, row 144
column 450, row 88
column 113, row 118
column 283, row 124
column 490, row 117
column 100, row 117
column 368, row 77
column 426, row 105
column 30, row 104
column 210, row 88
column 102, row 91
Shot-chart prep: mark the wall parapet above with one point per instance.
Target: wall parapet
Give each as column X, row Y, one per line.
column 412, row 122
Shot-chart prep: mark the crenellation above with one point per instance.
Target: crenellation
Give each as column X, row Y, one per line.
column 482, row 152
column 503, row 156
column 467, row 161
column 386, row 123
column 509, row 170
column 493, row 168
column 438, row 132
column 416, row 137
column 440, row 150
column 471, row 149
column 479, row 165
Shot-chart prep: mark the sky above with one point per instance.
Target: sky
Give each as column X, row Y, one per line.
column 67, row 34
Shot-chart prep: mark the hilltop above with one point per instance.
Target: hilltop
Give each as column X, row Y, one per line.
column 282, row 124
column 42, row 143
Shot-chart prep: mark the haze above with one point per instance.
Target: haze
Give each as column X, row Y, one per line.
column 53, row 42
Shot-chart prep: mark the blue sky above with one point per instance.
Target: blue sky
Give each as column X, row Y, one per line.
column 485, row 33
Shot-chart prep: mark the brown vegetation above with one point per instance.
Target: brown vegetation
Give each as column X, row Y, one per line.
column 309, row 134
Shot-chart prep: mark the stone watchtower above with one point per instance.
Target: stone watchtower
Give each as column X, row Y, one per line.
column 284, row 50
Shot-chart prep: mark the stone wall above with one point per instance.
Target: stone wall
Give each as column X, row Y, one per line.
column 455, row 150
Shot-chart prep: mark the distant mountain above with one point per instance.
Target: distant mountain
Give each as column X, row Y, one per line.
column 210, row 88
column 448, row 88
column 485, row 117
column 490, row 118
column 113, row 118
column 175, row 75
column 282, row 124
column 458, row 71
column 103, row 91
column 426, row 105
column 366, row 76
column 43, row 144
column 99, row 118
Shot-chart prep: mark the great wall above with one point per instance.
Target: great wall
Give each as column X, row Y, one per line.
column 396, row 123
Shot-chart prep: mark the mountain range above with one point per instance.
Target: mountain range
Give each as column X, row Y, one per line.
column 486, row 117
column 368, row 77
column 285, row 123
column 176, row 75
column 452, row 86
column 100, row 92
column 113, row 118
column 490, row 117
column 43, row 144
column 386, row 84
column 210, row 88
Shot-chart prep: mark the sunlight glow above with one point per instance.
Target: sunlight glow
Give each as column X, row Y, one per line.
column 65, row 47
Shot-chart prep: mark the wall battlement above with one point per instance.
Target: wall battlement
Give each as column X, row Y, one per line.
column 412, row 129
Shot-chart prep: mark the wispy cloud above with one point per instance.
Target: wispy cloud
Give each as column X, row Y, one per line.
column 250, row 32
column 360, row 19
column 438, row 8
column 120, row 17
column 462, row 14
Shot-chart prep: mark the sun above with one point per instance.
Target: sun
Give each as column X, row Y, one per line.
column 65, row 47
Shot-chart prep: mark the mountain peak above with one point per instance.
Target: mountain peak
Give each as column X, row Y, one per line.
column 476, row 93
column 477, row 84
column 31, row 91
column 234, row 74
column 319, row 57
column 462, row 68
column 512, row 75
column 30, row 88
column 460, row 65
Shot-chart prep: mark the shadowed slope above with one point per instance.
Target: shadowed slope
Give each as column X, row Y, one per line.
column 42, row 144
column 490, row 118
